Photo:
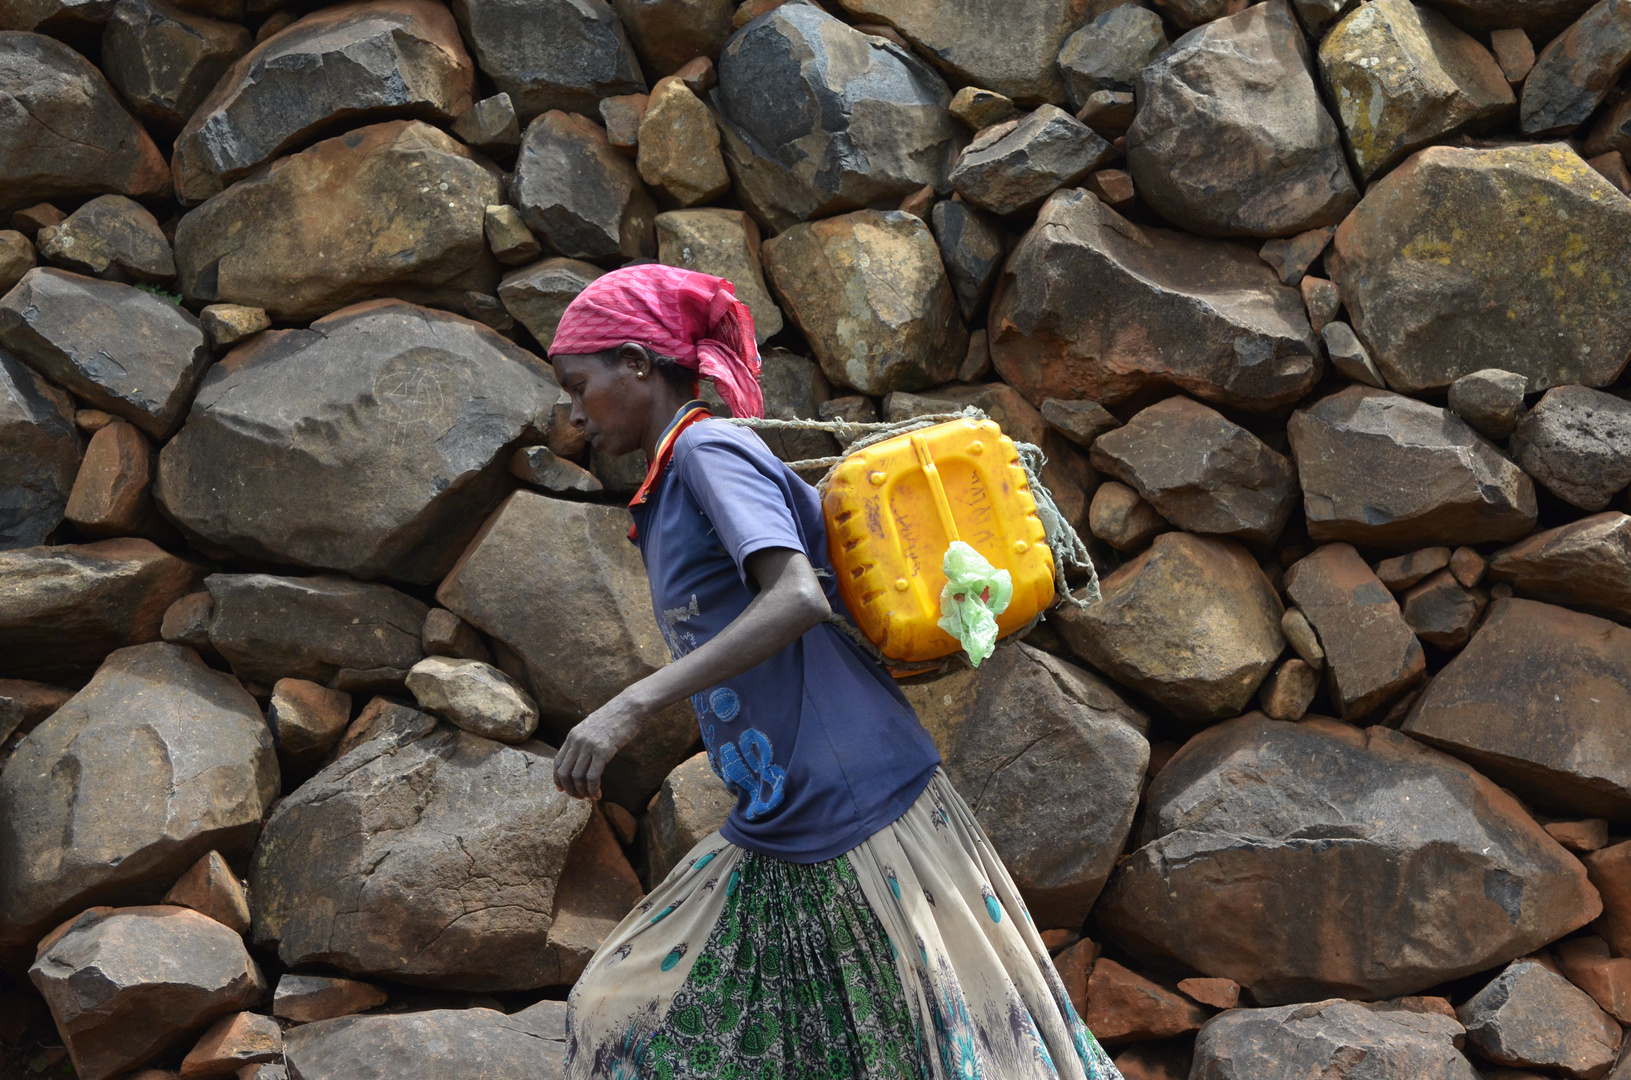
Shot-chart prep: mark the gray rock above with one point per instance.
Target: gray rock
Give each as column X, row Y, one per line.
column 537, row 295
column 1092, row 306
column 72, row 20
column 490, row 125
column 270, row 628
column 1307, row 839
column 1022, row 716
column 1349, row 355
column 110, row 237
column 1008, row 170
column 1576, row 443
column 474, row 696
column 972, row 249
column 1350, row 449
column 1529, row 1016
column 1336, row 1040
column 359, row 61
column 692, row 805
column 858, row 121
column 1441, row 611
column 40, row 451
column 307, row 998
column 1489, row 400
column 443, row 1044
column 538, row 466
column 166, row 60
column 581, row 196
column 1120, row 517
column 432, row 406
column 156, row 762
column 1243, row 82
column 551, row 54
column 136, row 355
column 1576, row 71
column 1082, row 422
column 1109, row 52
column 724, row 243
column 127, row 984
column 1585, row 564
column 1371, row 655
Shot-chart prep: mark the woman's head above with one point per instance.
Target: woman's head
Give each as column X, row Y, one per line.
column 621, row 395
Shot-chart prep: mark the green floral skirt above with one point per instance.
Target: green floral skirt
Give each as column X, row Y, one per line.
column 911, row 956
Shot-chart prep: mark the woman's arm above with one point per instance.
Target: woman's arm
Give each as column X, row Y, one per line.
column 789, row 602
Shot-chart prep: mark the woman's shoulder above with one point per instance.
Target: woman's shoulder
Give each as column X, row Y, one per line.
column 719, row 435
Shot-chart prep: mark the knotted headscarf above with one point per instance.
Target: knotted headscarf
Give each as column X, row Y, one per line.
column 695, row 318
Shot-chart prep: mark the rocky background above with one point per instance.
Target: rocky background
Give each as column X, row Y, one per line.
column 1319, row 309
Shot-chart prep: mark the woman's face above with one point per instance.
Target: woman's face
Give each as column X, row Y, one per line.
column 610, row 398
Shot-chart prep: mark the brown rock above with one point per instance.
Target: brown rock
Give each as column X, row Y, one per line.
column 1111, row 114
column 1468, row 566
column 112, row 494
column 1010, row 170
column 1292, row 256
column 1081, row 422
column 490, row 125
column 39, row 455
column 165, row 60
column 1074, row 964
column 17, row 257
column 919, row 203
column 228, row 324
column 1109, row 52
column 385, row 226
column 1610, row 872
column 1371, row 654
column 1168, row 1059
column 1576, row 71
column 382, row 718
column 670, row 33
column 724, row 243
column 1350, row 446
column 110, row 237
column 870, row 294
column 1611, row 166
column 1585, row 564
column 1218, row 993
column 1123, row 1006
column 509, row 238
column 1120, row 517
column 579, row 194
column 1576, row 443
column 1114, row 187
column 1338, row 1040
column 307, row 719
column 211, row 888
column 1192, row 623
column 1531, row 701
column 1530, row 1016
column 187, row 622
column 1302, row 639
column 1287, row 693
column 232, row 1042
column 552, row 54
column 1543, row 18
column 307, row 998
column 1611, row 132
column 435, row 1043
column 691, row 806
column 1403, row 571
column 679, row 147
column 1579, row 836
column 1321, row 300
column 537, row 295
column 621, row 116
column 980, row 108
column 38, row 700
column 1441, row 611
column 445, row 634
column 31, row 220
column 1514, row 52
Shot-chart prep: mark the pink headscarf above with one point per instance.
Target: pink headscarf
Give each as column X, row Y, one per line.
column 695, row 318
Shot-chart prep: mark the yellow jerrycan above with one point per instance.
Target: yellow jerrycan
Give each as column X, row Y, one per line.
column 892, row 510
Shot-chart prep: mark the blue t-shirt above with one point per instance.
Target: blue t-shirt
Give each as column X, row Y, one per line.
column 820, row 747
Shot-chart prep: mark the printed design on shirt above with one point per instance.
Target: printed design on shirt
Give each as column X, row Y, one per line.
column 747, row 766
column 680, row 640
column 724, row 703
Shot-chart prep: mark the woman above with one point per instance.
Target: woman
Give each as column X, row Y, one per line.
column 851, row 919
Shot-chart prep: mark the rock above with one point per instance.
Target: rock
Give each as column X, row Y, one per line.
column 679, row 147
column 597, row 890
column 1544, row 18
column 1610, row 871
column 537, row 295
column 1489, row 400
column 971, row 247
column 1114, row 187
column 1123, row 1006
column 1074, row 963
column 64, row 609
column 211, row 888
column 78, row 21
column 1350, row 447
column 1340, row 1040
column 1576, row 443
column 1242, row 81
column 1530, row 700
column 580, row 195
column 64, row 134
column 449, row 1044
column 1530, row 1016
column 1468, row 566
column 1404, row 76
column 490, row 125
column 1579, row 836
column 1442, row 612
column 1611, row 132
column 1201, row 472
column 31, row 220
column 669, row 33
column 307, row 998
column 1428, row 322
column 112, row 494
column 577, row 648
column 110, row 237
column 1192, row 13
column 165, row 60
column 1306, row 839
column 474, row 696
column 1293, row 256
column 1403, row 571
column 557, row 476
column 127, row 984
column 232, row 1042
column 1612, row 168
column 1371, row 654
column 433, row 405
column 1301, row 637
column 1287, row 693
column 306, row 719
column 980, row 108
column 385, row 227
column 1022, row 715
column 794, row 389
column 551, row 54
column 187, row 622
column 1514, row 52
column 724, row 243
column 692, row 804
column 509, row 238
column 1192, row 623
column 382, row 719
column 1576, row 71
column 1092, row 306
column 869, row 293
column 1585, row 564
column 1082, row 422
column 864, row 123
column 124, row 350
column 1120, row 517
column 1349, row 355
column 227, row 324
column 1322, row 301
column 1012, row 169
column 1109, row 52
column 445, row 634
column 39, row 455
column 1110, row 113
column 17, row 257
column 1218, row 993
column 621, row 117
column 1586, row 963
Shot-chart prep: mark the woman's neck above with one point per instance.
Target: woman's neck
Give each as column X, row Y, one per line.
column 664, row 405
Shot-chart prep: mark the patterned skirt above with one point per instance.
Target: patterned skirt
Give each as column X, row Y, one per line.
column 910, row 956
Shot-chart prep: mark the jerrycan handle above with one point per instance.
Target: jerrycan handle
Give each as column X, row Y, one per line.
column 941, row 504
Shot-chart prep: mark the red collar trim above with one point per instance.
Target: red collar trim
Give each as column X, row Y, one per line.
column 692, row 413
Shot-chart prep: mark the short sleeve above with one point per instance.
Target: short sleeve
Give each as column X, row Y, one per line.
column 747, row 507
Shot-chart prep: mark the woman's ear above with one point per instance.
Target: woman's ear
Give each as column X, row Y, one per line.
column 636, row 357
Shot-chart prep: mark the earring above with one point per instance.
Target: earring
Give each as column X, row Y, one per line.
column 639, row 374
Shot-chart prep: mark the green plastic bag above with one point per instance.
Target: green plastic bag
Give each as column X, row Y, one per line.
column 975, row 594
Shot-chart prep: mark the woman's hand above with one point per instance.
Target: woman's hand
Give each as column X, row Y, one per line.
column 597, row 738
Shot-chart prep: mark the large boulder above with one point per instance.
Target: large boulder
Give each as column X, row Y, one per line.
column 1343, row 862
column 1371, row 655
column 365, row 60
column 1531, row 1016
column 1191, row 622
column 1109, row 52
column 1011, row 168
column 63, row 609
column 537, row 295
column 40, row 451
column 678, row 147
column 1403, row 76
column 1092, row 306
column 371, row 443
column 1334, row 1040
column 1352, row 447
column 1242, row 84
column 111, row 237
column 165, row 60
column 124, row 350
column 1576, row 443
column 1585, row 564
column 574, row 648
column 63, row 132
column 1026, row 721
column 856, row 121
column 155, row 763
column 1577, row 70
column 403, row 214
column 440, row 1044
column 579, row 194
column 1446, row 269
column 871, row 296
column 724, row 243
column 551, row 54
column 1537, row 700
column 127, row 984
